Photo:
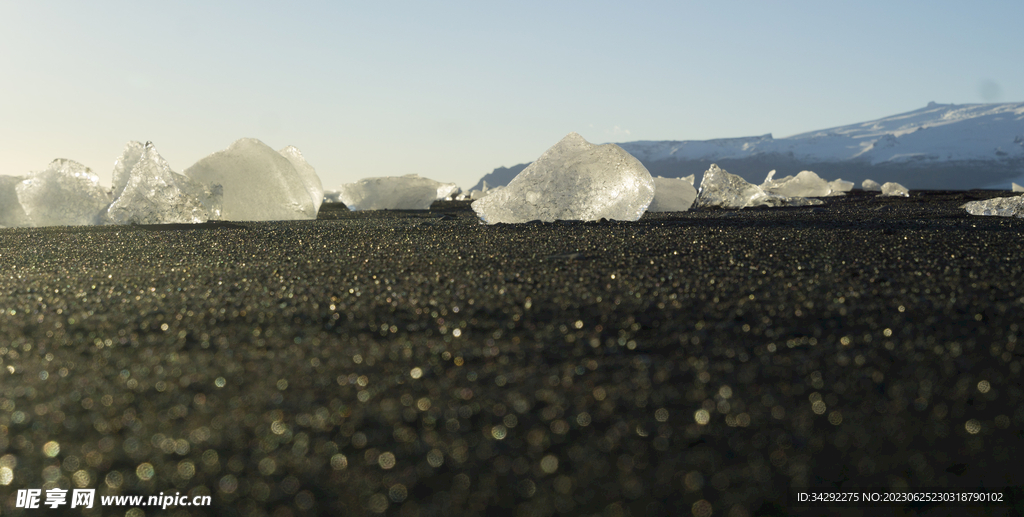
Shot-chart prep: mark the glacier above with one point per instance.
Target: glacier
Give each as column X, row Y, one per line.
column 573, row 180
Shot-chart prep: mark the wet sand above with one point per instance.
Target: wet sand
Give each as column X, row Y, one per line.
column 419, row 363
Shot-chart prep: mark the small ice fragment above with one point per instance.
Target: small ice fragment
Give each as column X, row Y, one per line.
column 804, row 184
column 307, row 173
column 409, row 192
column 870, row 186
column 894, row 189
column 689, row 179
column 719, row 188
column 573, row 180
column 839, row 187
column 1012, row 206
column 673, row 194
column 154, row 194
column 1016, row 188
column 332, row 196
column 259, row 183
column 12, row 215
column 67, row 193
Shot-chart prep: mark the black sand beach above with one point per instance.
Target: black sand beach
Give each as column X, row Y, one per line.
column 420, row 364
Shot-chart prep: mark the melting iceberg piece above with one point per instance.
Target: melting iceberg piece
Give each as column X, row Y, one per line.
column 999, row 206
column 719, row 188
column 870, row 186
column 123, row 165
column 673, row 194
column 839, row 187
column 307, row 173
column 259, row 183
column 11, row 213
column 804, row 184
column 894, row 189
column 154, row 194
column 1016, row 188
column 573, row 180
column 409, row 192
column 67, row 193
column 332, row 196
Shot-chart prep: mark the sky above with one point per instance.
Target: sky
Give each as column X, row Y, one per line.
column 452, row 90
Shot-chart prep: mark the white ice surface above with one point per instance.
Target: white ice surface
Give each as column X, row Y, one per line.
column 259, row 183
column 409, row 192
column 66, row 193
column 839, row 187
column 871, row 186
column 933, row 134
column 1016, row 188
column 573, row 180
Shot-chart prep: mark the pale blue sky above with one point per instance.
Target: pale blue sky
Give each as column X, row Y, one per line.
column 452, row 90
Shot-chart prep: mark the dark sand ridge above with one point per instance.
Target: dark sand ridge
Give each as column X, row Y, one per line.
column 869, row 342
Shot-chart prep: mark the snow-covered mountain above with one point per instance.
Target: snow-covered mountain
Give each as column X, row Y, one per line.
column 940, row 146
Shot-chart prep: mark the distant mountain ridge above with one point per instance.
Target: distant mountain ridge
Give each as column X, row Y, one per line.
column 940, row 146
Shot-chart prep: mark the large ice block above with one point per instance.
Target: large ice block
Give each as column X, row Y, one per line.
column 573, row 180
column 66, row 193
column 409, row 192
column 839, row 187
column 1016, row 188
column 894, row 189
column 124, row 163
column 870, row 185
column 719, row 188
column 999, row 206
column 259, row 183
column 11, row 213
column 307, row 173
column 804, row 184
column 154, row 194
column 673, row 194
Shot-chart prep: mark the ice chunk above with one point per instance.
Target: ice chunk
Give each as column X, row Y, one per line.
column 259, row 183
column 332, row 196
column 839, row 187
column 154, row 194
column 1016, row 188
column 894, row 189
column 1000, row 206
column 673, row 194
column 721, row 189
column 409, row 192
column 804, row 184
column 11, row 213
column 67, row 193
column 573, row 180
column 307, row 173
column 870, row 186
column 123, row 165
